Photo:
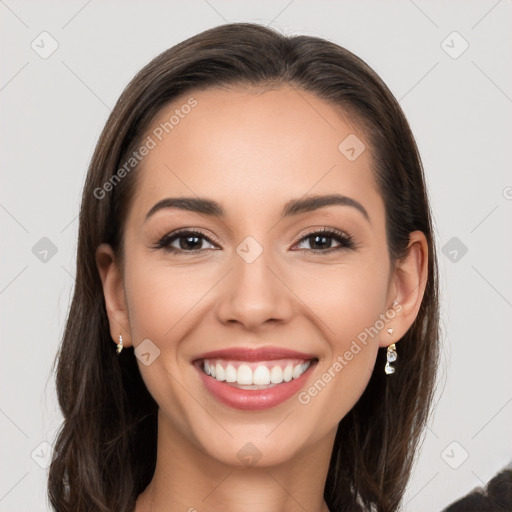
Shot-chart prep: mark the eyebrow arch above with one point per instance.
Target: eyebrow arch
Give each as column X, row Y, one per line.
column 292, row 207
column 296, row 206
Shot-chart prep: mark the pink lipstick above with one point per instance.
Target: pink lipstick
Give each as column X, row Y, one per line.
column 254, row 379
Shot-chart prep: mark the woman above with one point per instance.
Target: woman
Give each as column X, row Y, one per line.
column 255, row 319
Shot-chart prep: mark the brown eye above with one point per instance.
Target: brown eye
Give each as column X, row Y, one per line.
column 322, row 241
column 184, row 241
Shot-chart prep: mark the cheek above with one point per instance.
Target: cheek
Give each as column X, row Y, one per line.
column 163, row 301
column 161, row 298
column 346, row 299
column 349, row 303
column 360, row 303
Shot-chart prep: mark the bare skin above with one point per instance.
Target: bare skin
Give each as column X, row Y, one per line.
column 252, row 151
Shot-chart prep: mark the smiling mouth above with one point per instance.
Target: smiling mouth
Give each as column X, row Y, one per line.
column 251, row 375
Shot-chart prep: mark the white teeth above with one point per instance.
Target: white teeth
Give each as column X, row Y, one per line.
column 276, row 375
column 220, row 374
column 297, row 371
column 288, row 373
column 230, row 373
column 244, row 375
column 262, row 375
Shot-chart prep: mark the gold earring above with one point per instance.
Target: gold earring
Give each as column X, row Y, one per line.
column 120, row 345
column 391, row 358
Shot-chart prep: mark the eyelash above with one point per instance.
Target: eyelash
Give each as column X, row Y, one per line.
column 345, row 240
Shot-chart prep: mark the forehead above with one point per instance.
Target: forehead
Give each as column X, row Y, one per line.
column 251, row 148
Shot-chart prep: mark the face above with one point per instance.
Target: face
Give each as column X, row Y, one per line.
column 295, row 299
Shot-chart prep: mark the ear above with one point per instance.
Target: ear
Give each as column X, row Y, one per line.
column 113, row 291
column 408, row 284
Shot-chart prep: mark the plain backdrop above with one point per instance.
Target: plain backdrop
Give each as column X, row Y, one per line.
column 448, row 63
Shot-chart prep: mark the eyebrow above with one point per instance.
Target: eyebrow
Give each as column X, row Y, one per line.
column 292, row 207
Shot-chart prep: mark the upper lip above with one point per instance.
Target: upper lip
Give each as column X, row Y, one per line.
column 255, row 354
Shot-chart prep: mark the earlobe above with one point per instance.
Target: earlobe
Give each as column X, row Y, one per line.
column 409, row 282
column 113, row 291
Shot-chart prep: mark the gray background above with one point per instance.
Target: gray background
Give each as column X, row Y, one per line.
column 459, row 108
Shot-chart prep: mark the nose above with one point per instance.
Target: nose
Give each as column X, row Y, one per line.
column 255, row 294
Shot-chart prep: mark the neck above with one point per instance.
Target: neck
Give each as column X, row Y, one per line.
column 188, row 479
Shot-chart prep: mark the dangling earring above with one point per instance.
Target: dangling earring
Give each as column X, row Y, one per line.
column 120, row 345
column 391, row 355
column 391, row 358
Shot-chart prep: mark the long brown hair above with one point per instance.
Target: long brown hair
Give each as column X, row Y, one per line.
column 105, row 453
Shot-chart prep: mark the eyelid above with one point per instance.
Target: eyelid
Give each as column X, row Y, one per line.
column 164, row 241
column 323, row 229
column 346, row 238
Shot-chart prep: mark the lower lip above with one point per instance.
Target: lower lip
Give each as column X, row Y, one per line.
column 254, row 399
